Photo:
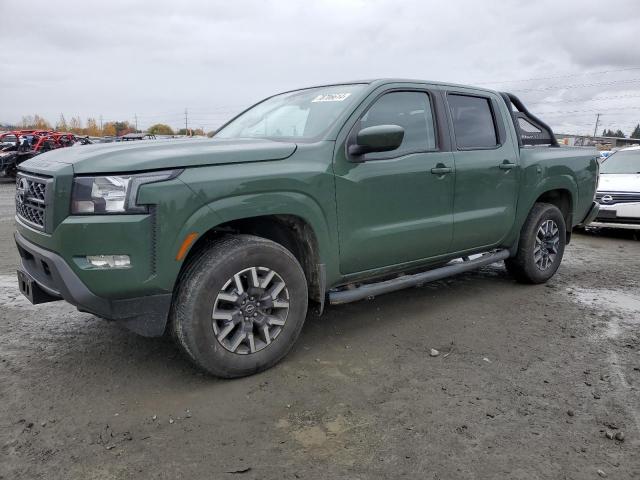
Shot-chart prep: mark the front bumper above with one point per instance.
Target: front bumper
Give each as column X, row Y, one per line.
column 626, row 226
column 618, row 215
column 45, row 276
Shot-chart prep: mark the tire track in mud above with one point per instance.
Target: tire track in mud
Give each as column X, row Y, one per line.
column 623, row 321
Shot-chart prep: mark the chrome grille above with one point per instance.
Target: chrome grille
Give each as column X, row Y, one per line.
column 31, row 200
column 611, row 198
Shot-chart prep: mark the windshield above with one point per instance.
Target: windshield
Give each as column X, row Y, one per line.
column 303, row 114
column 624, row 161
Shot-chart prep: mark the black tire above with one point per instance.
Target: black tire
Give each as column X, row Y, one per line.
column 200, row 286
column 527, row 265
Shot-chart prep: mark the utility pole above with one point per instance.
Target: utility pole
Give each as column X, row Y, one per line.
column 135, row 115
column 100, row 125
column 595, row 130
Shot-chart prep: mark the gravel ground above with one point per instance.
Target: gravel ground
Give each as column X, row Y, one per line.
column 529, row 383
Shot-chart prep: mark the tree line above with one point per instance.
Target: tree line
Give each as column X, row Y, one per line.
column 93, row 129
column 620, row 134
column 164, row 129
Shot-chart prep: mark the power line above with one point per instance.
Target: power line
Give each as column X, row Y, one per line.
column 582, row 116
column 570, row 75
column 578, row 100
column 566, row 112
column 212, row 111
column 579, row 85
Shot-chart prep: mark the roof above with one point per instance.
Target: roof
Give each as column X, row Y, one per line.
column 384, row 81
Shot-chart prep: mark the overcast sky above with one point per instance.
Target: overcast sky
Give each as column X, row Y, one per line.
column 122, row 58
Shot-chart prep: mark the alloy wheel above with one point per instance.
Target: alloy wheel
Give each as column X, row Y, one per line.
column 547, row 244
column 250, row 310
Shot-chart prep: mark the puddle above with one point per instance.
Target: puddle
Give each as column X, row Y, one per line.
column 624, row 304
column 624, row 307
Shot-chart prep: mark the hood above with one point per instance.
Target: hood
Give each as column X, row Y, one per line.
column 160, row 154
column 619, row 182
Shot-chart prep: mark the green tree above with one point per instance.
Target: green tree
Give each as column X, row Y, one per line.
column 160, row 129
column 610, row 133
column 636, row 132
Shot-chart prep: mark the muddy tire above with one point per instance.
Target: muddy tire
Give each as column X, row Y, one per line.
column 240, row 306
column 541, row 246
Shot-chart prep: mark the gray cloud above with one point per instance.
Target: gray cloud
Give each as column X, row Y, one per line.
column 117, row 59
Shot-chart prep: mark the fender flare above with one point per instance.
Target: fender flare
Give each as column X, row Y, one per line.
column 526, row 203
column 556, row 182
column 253, row 205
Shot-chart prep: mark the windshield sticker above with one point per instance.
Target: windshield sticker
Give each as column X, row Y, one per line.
column 331, row 97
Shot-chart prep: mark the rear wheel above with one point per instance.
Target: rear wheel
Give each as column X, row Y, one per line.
column 240, row 306
column 541, row 246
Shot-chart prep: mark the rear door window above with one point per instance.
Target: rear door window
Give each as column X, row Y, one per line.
column 473, row 122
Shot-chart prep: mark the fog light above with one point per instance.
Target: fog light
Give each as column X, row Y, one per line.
column 109, row 261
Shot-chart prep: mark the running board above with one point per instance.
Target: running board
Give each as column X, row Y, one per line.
column 372, row 289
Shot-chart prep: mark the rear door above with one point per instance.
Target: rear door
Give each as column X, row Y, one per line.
column 487, row 170
column 391, row 208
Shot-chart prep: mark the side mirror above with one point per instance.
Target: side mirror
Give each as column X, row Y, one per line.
column 379, row 138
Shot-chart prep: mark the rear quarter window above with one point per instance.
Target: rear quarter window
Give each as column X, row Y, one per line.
column 473, row 122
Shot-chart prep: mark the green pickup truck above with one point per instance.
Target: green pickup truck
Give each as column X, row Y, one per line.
column 334, row 193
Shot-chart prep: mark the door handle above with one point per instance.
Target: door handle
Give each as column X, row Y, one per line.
column 441, row 170
column 507, row 165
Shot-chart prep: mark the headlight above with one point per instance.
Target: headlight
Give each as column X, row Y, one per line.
column 113, row 193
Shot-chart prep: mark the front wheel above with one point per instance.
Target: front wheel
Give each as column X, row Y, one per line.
column 240, row 306
column 541, row 246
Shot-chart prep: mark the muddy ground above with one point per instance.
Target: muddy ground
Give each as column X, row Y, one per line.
column 529, row 382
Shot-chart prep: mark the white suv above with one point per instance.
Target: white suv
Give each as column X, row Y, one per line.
column 619, row 190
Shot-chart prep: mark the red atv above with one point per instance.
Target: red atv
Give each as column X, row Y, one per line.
column 19, row 145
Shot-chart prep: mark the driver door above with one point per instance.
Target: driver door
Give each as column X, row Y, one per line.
column 392, row 208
